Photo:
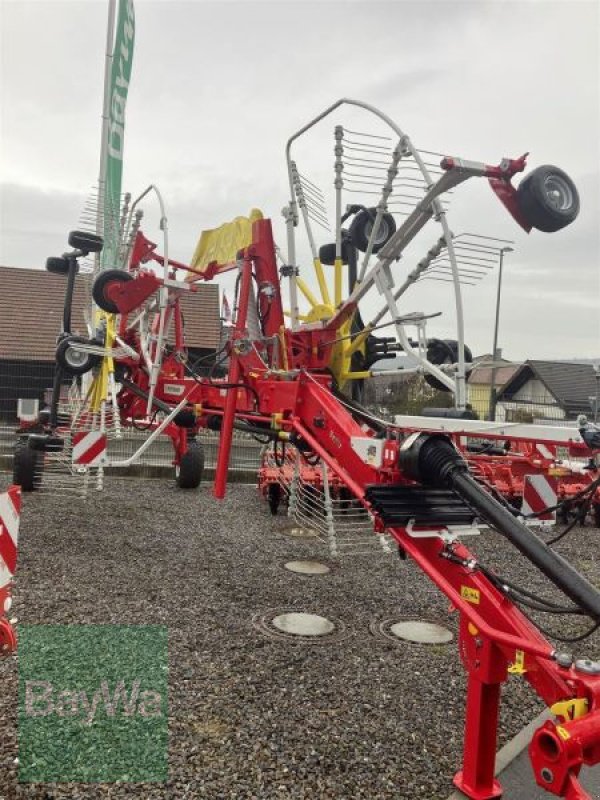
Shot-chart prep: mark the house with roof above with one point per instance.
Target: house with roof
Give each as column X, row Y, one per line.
column 31, row 304
column 548, row 391
column 480, row 381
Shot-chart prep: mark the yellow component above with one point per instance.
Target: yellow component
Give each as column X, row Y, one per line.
column 472, row 629
column 563, row 733
column 337, row 278
column 198, row 409
column 570, row 709
column 322, row 281
column 307, row 292
column 518, row 668
column 357, row 376
column 222, row 244
column 320, row 311
column 276, row 420
column 284, row 436
column 470, row 595
column 359, row 341
column 558, row 472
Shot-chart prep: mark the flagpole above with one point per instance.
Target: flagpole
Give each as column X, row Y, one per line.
column 110, row 35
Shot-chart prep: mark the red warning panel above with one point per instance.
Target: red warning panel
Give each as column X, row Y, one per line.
column 89, row 448
column 539, row 493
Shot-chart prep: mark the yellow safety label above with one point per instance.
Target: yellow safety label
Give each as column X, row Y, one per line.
column 518, row 667
column 470, row 595
column 563, row 733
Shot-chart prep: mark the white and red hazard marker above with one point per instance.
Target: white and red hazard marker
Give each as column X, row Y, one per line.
column 89, row 448
column 539, row 492
column 547, row 451
column 10, row 515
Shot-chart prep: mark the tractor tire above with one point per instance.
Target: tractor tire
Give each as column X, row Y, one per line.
column 362, row 225
column 191, row 467
column 548, row 199
column 26, row 463
column 443, row 351
column 57, row 266
column 274, row 497
column 72, row 361
column 327, row 253
column 104, row 280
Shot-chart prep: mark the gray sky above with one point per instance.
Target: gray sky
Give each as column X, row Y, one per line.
column 217, row 88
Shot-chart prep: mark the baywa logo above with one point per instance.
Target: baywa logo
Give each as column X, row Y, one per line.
column 93, row 703
column 43, row 699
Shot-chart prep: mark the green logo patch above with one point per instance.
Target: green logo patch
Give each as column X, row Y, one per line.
column 93, row 703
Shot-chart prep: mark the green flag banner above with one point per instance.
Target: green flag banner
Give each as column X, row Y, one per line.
column 119, row 84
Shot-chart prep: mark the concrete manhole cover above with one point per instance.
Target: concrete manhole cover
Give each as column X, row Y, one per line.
column 287, row 624
column 400, row 630
column 307, row 567
column 301, row 624
column 421, row 632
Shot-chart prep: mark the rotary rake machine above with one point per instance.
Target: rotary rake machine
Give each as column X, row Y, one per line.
column 292, row 385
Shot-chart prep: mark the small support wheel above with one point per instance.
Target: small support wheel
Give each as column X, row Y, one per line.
column 27, row 463
column 548, row 199
column 72, row 360
column 105, row 281
column 58, row 266
column 189, row 470
column 362, row 226
column 443, row 351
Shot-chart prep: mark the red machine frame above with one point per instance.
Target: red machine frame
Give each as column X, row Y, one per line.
column 296, row 404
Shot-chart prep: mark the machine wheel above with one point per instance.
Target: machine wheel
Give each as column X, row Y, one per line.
column 362, row 225
column 274, row 497
column 58, row 266
column 25, row 465
column 190, row 469
column 548, row 199
column 73, row 361
column 443, row 351
column 106, row 279
column 327, row 253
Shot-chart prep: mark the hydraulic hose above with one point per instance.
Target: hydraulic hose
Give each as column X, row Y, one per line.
column 432, row 459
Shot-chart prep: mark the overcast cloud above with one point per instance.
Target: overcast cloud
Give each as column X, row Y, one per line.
column 217, row 88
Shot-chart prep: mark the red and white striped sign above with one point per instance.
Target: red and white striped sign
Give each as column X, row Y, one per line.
column 539, row 492
column 10, row 515
column 89, row 448
column 547, row 451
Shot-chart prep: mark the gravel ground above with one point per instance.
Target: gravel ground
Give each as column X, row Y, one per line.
column 254, row 716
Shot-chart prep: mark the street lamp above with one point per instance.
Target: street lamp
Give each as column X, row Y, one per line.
column 495, row 345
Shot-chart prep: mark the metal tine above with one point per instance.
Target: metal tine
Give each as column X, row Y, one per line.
column 444, row 280
column 315, row 204
column 322, row 217
column 375, row 147
column 461, row 270
column 468, row 248
column 355, row 149
column 487, row 262
column 369, row 135
column 467, row 264
column 314, row 199
column 483, row 236
column 318, row 222
column 310, row 183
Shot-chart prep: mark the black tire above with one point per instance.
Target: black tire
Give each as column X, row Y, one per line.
column 86, row 242
column 596, row 514
column 274, row 497
column 57, row 266
column 72, row 361
column 548, row 199
column 443, row 351
column 327, row 253
column 362, row 225
column 26, row 463
column 105, row 279
column 191, row 467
